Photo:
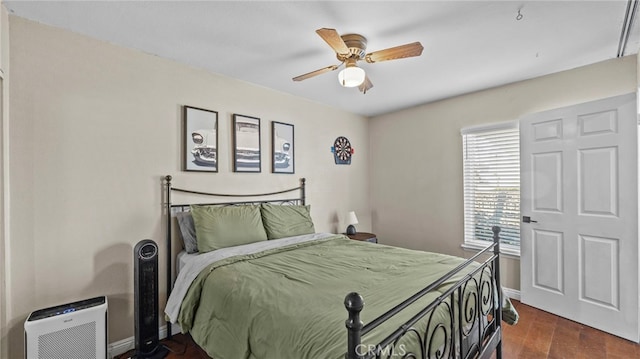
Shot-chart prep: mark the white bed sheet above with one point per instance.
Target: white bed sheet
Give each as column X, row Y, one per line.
column 194, row 265
column 182, row 258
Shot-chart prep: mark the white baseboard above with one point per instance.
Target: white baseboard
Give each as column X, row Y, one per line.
column 124, row 345
column 511, row 293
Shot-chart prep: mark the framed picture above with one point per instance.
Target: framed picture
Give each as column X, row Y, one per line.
column 282, row 149
column 246, row 144
column 200, row 138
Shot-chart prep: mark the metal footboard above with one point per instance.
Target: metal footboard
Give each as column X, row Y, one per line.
column 473, row 305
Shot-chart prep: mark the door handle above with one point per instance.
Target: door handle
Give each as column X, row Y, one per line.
column 527, row 219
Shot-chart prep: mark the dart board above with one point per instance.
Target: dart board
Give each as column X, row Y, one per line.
column 342, row 151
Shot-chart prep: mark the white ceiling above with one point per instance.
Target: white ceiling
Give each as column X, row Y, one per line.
column 468, row 45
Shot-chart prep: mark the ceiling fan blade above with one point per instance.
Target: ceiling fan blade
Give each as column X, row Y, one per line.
column 365, row 86
column 393, row 53
column 315, row 73
column 334, row 40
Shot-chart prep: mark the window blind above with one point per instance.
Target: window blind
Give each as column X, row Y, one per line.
column 491, row 160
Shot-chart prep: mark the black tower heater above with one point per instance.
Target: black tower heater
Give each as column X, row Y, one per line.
column 145, row 258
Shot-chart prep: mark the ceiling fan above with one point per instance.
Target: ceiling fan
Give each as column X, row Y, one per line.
column 351, row 48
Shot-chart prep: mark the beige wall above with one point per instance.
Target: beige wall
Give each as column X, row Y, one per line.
column 94, row 127
column 4, row 109
column 416, row 176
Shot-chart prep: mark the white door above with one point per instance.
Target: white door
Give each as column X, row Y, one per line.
column 579, row 202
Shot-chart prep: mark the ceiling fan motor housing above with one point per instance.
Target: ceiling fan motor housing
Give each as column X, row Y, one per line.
column 357, row 45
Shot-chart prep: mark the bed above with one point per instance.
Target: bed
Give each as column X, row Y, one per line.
column 291, row 295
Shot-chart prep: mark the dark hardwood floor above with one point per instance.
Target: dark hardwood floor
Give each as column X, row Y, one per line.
column 180, row 346
column 537, row 335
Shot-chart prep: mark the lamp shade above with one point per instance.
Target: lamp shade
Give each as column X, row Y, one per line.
column 351, row 76
column 351, row 218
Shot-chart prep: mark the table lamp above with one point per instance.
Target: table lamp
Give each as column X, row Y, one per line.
column 351, row 220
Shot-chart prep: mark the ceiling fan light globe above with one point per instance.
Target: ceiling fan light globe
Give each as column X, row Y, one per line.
column 351, row 76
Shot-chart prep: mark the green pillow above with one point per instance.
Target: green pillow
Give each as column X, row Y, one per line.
column 286, row 221
column 220, row 227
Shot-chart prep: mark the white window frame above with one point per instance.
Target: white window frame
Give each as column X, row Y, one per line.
column 470, row 242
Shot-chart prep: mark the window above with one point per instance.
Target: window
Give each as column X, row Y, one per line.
column 491, row 161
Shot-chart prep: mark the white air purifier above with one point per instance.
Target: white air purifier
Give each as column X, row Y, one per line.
column 71, row 331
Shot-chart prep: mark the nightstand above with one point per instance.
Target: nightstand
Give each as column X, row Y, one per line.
column 363, row 236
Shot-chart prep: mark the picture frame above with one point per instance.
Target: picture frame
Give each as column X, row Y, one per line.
column 246, row 144
column 282, row 148
column 200, row 140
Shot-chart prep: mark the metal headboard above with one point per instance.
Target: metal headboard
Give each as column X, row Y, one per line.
column 256, row 200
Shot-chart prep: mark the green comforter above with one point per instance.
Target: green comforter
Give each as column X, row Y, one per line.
column 288, row 302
